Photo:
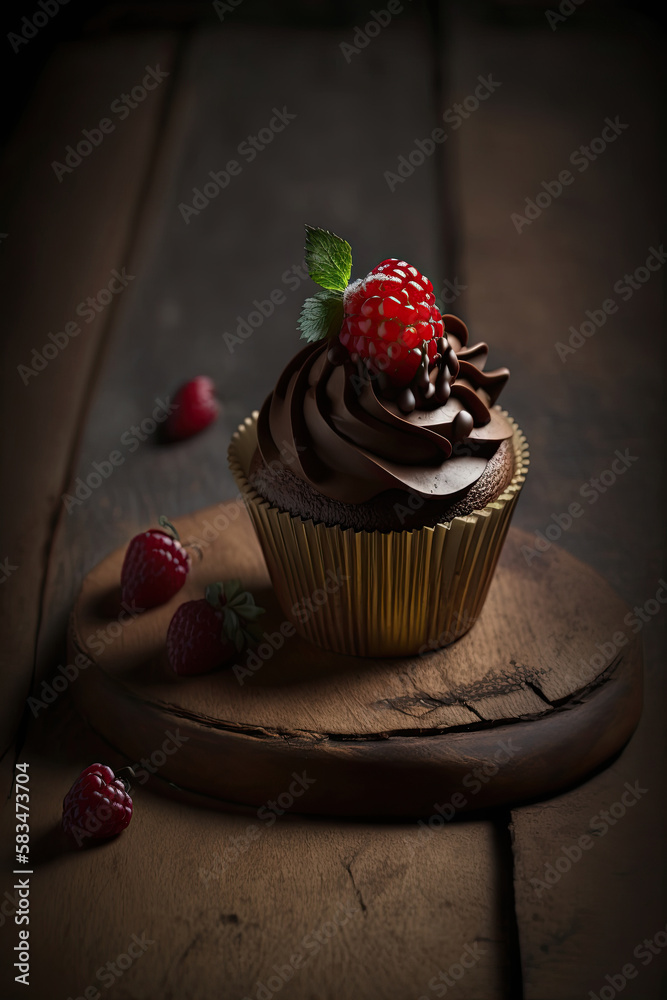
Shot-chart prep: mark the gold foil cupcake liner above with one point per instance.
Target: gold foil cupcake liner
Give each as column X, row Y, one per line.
column 374, row 593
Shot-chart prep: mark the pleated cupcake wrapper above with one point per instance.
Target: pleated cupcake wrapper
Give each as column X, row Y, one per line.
column 374, row 593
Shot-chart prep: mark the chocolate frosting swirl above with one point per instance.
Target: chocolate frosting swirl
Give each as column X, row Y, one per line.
column 337, row 428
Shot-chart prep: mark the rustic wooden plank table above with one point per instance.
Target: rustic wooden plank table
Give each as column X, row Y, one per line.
column 373, row 917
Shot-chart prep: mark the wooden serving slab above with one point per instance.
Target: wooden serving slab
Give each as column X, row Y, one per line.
column 543, row 690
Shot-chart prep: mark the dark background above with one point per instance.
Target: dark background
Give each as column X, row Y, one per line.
column 523, row 292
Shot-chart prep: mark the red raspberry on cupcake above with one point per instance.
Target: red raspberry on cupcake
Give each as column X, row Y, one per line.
column 391, row 320
column 388, row 320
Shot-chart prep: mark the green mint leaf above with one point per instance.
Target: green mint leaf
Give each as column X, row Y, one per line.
column 239, row 612
column 248, row 612
column 230, row 621
column 232, row 590
column 322, row 316
column 251, row 634
column 328, row 258
column 212, row 594
column 232, row 628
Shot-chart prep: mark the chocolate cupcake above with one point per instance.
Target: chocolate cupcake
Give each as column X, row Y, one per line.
column 381, row 458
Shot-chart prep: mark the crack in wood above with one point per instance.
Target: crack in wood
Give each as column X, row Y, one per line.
column 301, row 737
column 504, row 836
column 357, row 891
column 492, row 685
column 540, row 693
column 473, row 710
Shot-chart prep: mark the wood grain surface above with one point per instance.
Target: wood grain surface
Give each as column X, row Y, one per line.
column 42, row 286
column 193, row 283
column 526, row 290
column 225, row 896
column 518, row 698
column 221, row 911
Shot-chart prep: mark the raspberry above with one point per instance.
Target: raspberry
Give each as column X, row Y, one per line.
column 97, row 805
column 391, row 320
column 387, row 321
column 154, row 569
column 195, row 642
column 195, row 407
column 206, row 633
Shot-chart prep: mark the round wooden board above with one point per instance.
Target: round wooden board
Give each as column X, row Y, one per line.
column 542, row 691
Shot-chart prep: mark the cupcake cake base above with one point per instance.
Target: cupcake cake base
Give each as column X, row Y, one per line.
column 521, row 707
column 403, row 592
